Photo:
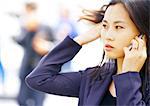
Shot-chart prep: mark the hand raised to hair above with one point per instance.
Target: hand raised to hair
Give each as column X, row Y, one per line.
column 89, row 36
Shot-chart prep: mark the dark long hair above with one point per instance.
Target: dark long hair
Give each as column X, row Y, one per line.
column 139, row 13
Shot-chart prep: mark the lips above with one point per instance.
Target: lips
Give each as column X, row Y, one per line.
column 108, row 47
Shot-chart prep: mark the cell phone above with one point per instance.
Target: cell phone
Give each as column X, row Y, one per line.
column 140, row 36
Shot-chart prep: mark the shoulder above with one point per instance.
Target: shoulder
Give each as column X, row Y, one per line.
column 105, row 69
column 90, row 70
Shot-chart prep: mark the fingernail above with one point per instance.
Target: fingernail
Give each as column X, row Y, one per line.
column 130, row 47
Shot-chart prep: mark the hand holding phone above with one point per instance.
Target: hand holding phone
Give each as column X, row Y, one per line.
column 135, row 55
column 140, row 36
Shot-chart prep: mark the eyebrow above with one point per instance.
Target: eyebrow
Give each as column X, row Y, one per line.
column 116, row 22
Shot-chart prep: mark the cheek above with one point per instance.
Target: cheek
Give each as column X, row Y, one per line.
column 118, row 51
column 119, row 44
column 103, row 34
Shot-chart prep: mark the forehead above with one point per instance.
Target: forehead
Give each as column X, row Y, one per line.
column 116, row 12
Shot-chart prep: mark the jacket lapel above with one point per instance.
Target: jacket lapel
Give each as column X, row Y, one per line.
column 99, row 88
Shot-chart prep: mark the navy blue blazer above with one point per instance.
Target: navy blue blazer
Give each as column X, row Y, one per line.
column 47, row 77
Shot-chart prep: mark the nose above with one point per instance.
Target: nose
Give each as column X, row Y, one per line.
column 109, row 35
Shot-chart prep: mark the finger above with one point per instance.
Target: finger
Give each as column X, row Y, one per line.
column 134, row 44
column 141, row 42
column 130, row 47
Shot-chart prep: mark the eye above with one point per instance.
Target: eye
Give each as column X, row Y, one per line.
column 104, row 26
column 119, row 27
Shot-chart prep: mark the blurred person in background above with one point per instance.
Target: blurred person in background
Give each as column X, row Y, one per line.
column 36, row 39
column 65, row 26
column 2, row 76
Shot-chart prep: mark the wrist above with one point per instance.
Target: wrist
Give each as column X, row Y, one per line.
column 78, row 40
column 128, row 70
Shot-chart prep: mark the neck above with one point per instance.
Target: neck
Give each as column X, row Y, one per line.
column 119, row 65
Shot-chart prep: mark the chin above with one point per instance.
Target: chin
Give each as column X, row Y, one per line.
column 113, row 55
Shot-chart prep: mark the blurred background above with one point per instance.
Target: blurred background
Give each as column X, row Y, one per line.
column 28, row 30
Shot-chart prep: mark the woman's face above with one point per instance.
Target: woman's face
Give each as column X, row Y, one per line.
column 117, row 30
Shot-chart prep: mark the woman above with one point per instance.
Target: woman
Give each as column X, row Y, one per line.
column 122, row 78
